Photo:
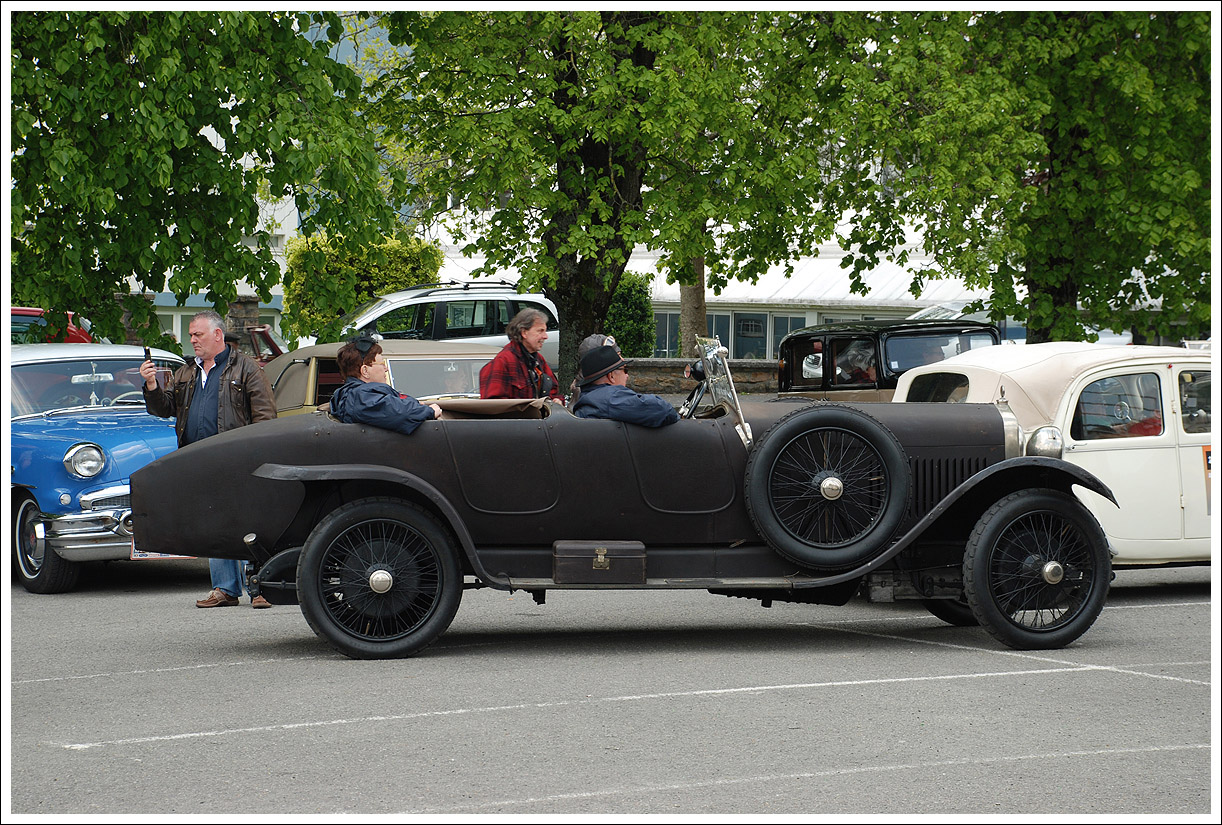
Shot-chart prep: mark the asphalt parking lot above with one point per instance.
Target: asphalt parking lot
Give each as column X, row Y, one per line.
column 126, row 699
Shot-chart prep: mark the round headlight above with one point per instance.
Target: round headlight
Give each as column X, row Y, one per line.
column 1046, row 441
column 85, row 460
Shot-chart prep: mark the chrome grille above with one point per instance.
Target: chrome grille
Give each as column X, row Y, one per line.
column 109, row 502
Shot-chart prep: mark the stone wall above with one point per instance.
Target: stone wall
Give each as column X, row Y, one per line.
column 665, row 375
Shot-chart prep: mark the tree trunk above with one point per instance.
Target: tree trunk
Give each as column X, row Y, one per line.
column 1063, row 301
column 693, row 314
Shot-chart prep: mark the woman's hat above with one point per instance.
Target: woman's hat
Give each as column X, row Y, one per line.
column 599, row 362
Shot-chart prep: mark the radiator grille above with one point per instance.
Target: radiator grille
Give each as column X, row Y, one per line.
column 934, row 478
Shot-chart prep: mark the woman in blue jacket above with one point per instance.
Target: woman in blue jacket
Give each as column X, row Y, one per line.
column 366, row 396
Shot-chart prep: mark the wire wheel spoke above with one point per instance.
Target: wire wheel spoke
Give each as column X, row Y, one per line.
column 399, row 556
column 1028, row 547
column 819, row 516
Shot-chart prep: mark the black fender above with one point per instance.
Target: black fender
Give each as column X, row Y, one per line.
column 391, row 475
column 986, row 487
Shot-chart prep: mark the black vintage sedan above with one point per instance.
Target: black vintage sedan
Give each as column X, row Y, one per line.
column 376, row 535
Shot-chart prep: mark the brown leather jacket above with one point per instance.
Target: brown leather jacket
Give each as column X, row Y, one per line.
column 244, row 395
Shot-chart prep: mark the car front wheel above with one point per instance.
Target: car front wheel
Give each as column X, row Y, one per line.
column 1037, row 569
column 379, row 579
column 40, row 569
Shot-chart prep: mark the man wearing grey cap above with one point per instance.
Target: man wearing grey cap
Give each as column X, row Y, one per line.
column 605, row 392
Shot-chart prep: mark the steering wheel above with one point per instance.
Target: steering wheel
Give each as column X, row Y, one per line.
column 137, row 393
column 1121, row 411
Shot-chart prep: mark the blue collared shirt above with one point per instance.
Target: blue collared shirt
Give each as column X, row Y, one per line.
column 203, row 415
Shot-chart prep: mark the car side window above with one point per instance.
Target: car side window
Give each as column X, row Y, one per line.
column 1119, row 406
column 474, row 318
column 408, row 322
column 329, row 380
column 907, row 351
column 855, row 362
column 939, row 387
column 552, row 323
column 812, row 363
column 1196, row 409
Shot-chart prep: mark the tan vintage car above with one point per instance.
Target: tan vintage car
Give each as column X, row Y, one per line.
column 305, row 378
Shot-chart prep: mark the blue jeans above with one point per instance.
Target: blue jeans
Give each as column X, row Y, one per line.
column 228, row 575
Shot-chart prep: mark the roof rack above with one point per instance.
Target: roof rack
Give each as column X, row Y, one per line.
column 439, row 286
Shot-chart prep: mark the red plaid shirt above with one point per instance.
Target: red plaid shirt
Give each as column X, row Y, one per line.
column 515, row 373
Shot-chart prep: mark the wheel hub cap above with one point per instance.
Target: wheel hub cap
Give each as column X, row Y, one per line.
column 380, row 581
column 832, row 488
column 1053, row 572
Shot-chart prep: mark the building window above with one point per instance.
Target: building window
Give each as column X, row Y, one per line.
column 666, row 344
column 718, row 326
column 750, row 335
column 782, row 325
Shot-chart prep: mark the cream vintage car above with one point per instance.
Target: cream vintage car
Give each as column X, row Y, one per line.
column 1137, row 417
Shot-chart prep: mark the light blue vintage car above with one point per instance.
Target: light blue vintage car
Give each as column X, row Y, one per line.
column 79, row 430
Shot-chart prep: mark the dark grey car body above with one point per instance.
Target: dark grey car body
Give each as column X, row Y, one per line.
column 502, row 494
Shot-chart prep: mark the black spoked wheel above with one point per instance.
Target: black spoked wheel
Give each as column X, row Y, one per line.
column 827, row 486
column 1037, row 569
column 379, row 579
column 40, row 569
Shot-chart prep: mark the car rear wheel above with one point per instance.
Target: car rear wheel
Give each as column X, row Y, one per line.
column 1036, row 570
column 379, row 579
column 827, row 486
column 40, row 569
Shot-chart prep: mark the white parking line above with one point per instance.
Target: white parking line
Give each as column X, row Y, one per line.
column 361, row 720
column 831, row 624
column 686, row 786
column 208, row 666
column 1016, row 654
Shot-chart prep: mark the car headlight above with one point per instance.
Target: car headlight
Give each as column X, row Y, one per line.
column 1046, row 441
column 85, row 460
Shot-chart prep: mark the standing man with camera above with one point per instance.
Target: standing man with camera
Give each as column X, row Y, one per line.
column 220, row 389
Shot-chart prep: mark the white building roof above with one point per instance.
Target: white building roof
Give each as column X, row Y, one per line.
column 817, row 281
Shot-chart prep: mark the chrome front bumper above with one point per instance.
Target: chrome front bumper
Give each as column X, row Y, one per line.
column 98, row 533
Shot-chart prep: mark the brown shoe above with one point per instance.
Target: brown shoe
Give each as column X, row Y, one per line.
column 217, row 598
column 258, row 603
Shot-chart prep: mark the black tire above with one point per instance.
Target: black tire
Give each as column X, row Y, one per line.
column 791, row 486
column 40, row 570
column 952, row 611
column 1037, row 569
column 408, row 549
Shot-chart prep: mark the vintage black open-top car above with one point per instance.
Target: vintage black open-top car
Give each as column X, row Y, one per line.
column 377, row 534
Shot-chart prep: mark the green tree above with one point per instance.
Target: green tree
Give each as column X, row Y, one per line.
column 630, row 316
column 1056, row 158
column 577, row 136
column 141, row 143
column 397, row 263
